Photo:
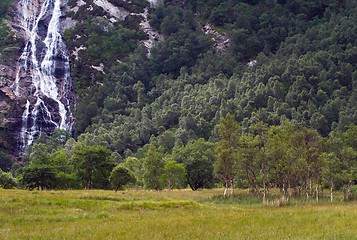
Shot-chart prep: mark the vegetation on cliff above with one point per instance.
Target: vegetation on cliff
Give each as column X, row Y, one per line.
column 9, row 47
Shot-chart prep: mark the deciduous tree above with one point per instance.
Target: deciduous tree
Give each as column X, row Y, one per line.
column 7, row 180
column 226, row 150
column 38, row 176
column 92, row 165
column 174, row 175
column 121, row 176
column 153, row 165
column 198, row 157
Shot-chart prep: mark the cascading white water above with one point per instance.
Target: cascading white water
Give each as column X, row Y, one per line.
column 46, row 63
column 155, row 3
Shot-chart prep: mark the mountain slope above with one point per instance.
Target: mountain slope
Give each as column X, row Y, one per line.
column 304, row 70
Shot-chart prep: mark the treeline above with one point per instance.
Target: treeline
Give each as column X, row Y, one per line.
column 295, row 159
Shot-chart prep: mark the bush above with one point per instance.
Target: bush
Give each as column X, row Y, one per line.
column 7, row 181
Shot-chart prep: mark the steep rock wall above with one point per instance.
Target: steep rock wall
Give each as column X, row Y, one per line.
column 35, row 83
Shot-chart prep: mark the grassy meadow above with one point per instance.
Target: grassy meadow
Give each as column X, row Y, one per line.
column 179, row 214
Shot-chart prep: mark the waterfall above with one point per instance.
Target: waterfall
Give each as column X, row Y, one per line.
column 43, row 74
column 155, row 3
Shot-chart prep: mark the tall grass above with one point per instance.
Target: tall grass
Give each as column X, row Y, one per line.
column 180, row 214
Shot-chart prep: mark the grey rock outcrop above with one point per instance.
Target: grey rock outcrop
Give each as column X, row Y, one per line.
column 46, row 104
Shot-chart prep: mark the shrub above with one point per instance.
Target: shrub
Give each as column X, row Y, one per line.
column 7, row 180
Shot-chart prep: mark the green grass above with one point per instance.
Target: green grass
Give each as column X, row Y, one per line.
column 181, row 214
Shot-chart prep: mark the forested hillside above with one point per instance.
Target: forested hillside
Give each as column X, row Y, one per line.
column 281, row 75
column 302, row 68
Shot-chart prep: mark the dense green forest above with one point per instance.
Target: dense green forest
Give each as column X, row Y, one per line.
column 305, row 54
column 285, row 78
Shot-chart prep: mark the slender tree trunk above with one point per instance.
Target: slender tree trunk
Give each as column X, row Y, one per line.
column 255, row 182
column 249, row 185
column 169, row 186
column 306, row 190
column 306, row 185
column 89, row 180
column 264, row 183
column 296, row 190
column 288, row 191
column 317, row 193
column 284, row 191
column 264, row 170
column 232, row 187
column 225, row 187
column 331, row 188
column 349, row 190
column 318, row 182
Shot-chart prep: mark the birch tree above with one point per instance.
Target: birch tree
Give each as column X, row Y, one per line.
column 153, row 167
column 260, row 130
column 226, row 150
column 330, row 171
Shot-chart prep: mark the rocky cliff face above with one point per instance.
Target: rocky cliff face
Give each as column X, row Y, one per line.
column 35, row 82
column 10, row 105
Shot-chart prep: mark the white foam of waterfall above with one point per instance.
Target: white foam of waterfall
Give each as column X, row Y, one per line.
column 25, row 120
column 155, row 3
column 40, row 64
